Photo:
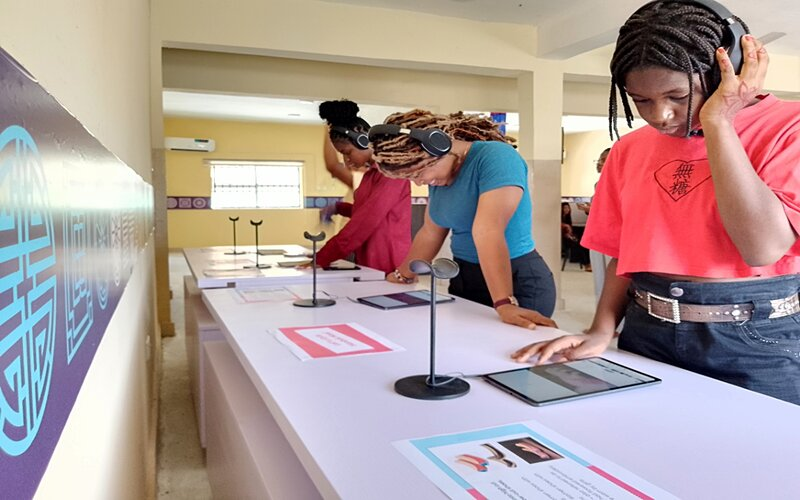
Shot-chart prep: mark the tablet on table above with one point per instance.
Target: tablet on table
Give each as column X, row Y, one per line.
column 557, row 382
column 403, row 299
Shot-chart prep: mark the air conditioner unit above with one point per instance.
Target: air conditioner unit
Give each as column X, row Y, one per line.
column 189, row 144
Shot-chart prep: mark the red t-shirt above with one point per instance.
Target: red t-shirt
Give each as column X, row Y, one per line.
column 654, row 207
column 379, row 229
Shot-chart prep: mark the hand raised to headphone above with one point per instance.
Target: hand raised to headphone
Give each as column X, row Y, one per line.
column 736, row 92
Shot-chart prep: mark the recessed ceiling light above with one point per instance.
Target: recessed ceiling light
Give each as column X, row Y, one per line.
column 294, row 114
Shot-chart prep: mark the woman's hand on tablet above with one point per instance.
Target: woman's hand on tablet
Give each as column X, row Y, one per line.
column 569, row 347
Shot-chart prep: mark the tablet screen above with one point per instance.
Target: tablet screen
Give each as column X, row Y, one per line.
column 539, row 385
column 403, row 299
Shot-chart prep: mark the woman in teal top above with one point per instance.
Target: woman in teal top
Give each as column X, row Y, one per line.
column 478, row 189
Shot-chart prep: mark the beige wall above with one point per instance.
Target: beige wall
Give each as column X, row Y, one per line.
column 93, row 56
column 438, row 91
column 326, row 31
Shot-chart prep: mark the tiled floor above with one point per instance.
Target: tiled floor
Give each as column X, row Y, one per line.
column 181, row 460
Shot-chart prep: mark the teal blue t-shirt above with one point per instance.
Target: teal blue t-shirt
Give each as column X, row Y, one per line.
column 487, row 166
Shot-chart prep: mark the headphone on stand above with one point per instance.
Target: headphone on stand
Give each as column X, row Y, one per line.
column 733, row 30
column 434, row 141
column 359, row 139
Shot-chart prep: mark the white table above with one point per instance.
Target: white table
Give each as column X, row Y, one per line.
column 215, row 267
column 199, row 328
column 219, row 259
column 690, row 435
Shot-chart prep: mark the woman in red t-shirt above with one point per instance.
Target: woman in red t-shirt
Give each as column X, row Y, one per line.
column 700, row 210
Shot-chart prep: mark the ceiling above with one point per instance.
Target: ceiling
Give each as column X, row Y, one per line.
column 556, row 18
column 255, row 108
column 591, row 23
column 297, row 111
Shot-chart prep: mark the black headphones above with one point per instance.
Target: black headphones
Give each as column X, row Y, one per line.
column 433, row 141
column 733, row 30
column 359, row 139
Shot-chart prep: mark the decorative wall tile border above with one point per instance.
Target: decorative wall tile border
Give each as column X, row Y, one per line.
column 188, row 202
column 204, row 202
column 320, row 201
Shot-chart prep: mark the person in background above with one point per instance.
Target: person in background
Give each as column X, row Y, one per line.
column 700, row 210
column 566, row 223
column 598, row 261
column 569, row 240
column 379, row 229
column 478, row 189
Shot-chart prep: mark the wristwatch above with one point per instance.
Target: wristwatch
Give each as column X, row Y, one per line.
column 508, row 300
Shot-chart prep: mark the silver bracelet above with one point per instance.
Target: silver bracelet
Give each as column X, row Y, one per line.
column 402, row 279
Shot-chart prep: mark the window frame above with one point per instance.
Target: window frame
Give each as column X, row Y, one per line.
column 255, row 190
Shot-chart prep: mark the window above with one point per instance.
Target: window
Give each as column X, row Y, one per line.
column 256, row 184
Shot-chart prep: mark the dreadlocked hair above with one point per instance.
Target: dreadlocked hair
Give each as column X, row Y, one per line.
column 676, row 35
column 342, row 113
column 401, row 156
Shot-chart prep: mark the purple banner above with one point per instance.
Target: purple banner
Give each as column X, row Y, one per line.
column 73, row 219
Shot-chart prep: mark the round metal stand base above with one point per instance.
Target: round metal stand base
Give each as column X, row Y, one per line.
column 314, row 303
column 417, row 387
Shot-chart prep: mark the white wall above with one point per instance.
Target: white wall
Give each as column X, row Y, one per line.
column 93, row 56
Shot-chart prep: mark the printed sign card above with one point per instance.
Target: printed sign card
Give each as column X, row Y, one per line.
column 331, row 341
column 521, row 461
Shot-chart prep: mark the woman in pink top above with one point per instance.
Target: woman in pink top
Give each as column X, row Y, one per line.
column 379, row 230
column 699, row 211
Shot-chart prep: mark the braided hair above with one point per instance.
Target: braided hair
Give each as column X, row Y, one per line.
column 342, row 113
column 677, row 35
column 401, row 156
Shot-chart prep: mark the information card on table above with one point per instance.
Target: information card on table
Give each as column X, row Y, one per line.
column 331, row 341
column 272, row 294
column 231, row 273
column 521, row 461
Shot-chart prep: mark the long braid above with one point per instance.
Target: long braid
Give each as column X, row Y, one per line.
column 676, row 35
column 402, row 156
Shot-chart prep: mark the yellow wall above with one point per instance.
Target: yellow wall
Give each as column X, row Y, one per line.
column 188, row 175
column 579, row 172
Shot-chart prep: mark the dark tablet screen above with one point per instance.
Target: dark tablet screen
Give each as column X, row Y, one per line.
column 556, row 382
column 403, row 299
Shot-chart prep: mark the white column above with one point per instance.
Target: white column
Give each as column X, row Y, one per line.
column 540, row 142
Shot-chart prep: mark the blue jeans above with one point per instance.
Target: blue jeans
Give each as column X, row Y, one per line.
column 759, row 354
column 532, row 280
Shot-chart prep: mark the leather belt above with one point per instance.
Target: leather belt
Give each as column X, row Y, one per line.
column 667, row 309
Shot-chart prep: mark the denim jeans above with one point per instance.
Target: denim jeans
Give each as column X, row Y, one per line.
column 759, row 354
column 532, row 280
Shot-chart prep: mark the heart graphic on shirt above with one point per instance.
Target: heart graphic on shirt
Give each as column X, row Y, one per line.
column 680, row 177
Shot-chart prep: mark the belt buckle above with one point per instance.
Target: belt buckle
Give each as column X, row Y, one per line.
column 676, row 313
